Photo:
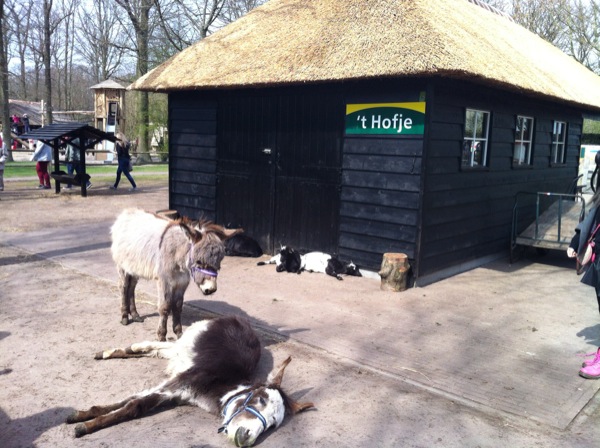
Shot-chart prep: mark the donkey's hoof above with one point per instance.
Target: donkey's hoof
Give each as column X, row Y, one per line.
column 125, row 321
column 80, row 430
column 73, row 417
column 137, row 319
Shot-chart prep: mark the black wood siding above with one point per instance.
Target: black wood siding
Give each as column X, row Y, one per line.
column 380, row 198
column 406, row 194
column 193, row 154
column 466, row 214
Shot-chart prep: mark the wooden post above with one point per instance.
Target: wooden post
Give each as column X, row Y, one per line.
column 394, row 272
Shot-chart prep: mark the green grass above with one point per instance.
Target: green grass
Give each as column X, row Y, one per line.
column 27, row 169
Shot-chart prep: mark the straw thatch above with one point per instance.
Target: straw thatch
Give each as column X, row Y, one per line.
column 300, row 41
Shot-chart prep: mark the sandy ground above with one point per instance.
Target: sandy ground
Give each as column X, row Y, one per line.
column 54, row 318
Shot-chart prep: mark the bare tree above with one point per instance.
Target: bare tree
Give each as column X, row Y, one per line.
column 20, row 21
column 101, row 39
column 184, row 22
column 138, row 12
column 234, row 9
column 5, row 116
column 583, row 27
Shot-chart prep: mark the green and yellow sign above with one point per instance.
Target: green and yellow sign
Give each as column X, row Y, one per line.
column 386, row 118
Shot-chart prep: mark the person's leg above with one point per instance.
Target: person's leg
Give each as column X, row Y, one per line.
column 45, row 174
column 119, row 171
column 38, row 170
column 130, row 177
column 597, row 293
column 1, row 179
column 70, row 171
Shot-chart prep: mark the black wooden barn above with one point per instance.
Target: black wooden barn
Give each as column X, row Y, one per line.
column 371, row 127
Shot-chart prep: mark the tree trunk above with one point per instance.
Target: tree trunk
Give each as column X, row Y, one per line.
column 394, row 272
column 4, row 83
column 143, row 153
column 47, row 63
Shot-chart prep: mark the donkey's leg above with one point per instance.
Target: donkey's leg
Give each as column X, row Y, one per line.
column 176, row 308
column 123, row 289
column 164, row 308
column 134, row 408
column 131, row 294
column 148, row 349
column 95, row 411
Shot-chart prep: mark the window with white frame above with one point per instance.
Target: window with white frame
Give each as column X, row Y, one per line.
column 523, row 141
column 559, row 138
column 475, row 142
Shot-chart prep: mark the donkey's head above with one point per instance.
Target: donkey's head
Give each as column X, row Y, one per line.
column 206, row 252
column 248, row 412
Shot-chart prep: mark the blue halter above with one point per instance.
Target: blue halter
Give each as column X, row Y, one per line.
column 243, row 408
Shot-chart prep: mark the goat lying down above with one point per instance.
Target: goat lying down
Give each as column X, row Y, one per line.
column 210, row 366
column 290, row 260
column 327, row 264
column 287, row 260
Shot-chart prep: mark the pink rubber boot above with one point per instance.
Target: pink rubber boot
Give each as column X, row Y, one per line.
column 591, row 372
column 591, row 362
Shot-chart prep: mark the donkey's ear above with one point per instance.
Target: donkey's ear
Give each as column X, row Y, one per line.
column 274, row 379
column 190, row 232
column 231, row 232
column 295, row 406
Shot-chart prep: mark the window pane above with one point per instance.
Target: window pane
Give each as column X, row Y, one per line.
column 470, row 123
column 482, row 119
column 466, row 153
column 526, row 126
column 478, row 153
column 519, row 154
column 474, row 151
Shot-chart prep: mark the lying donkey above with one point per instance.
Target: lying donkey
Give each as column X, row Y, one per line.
column 150, row 246
column 209, row 367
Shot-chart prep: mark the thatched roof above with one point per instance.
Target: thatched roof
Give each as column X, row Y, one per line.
column 108, row 84
column 305, row 41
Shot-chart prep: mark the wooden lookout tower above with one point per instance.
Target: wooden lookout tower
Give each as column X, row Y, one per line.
column 109, row 110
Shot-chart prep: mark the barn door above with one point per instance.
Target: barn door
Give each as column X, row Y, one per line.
column 308, row 170
column 279, row 167
column 245, row 190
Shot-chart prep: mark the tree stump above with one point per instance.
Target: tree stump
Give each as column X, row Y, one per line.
column 394, row 272
column 171, row 214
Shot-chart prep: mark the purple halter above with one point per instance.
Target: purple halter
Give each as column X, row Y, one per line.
column 193, row 268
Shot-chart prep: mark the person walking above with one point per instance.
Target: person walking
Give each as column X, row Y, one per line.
column 585, row 246
column 43, row 156
column 3, row 157
column 73, row 159
column 122, row 147
column 25, row 121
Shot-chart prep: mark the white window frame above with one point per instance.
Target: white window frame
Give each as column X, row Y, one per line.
column 522, row 149
column 473, row 142
column 559, row 142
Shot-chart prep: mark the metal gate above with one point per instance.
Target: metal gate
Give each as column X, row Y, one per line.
column 279, row 159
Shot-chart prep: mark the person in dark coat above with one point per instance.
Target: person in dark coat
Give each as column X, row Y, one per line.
column 122, row 146
column 586, row 230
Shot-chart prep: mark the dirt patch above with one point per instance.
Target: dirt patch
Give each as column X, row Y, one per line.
column 25, row 208
column 54, row 317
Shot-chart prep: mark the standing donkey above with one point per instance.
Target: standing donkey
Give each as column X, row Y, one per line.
column 146, row 245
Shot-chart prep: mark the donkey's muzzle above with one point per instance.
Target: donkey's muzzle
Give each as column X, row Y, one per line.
column 208, row 286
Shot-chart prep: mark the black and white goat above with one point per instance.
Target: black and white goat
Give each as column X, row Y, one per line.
column 210, row 366
column 287, row 260
column 327, row 264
